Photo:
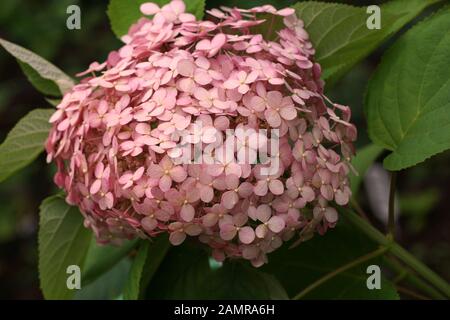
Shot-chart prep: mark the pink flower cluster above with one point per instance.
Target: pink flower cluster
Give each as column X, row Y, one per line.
column 114, row 136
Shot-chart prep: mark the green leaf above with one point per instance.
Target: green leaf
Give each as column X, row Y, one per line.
column 24, row 142
column 145, row 265
column 362, row 162
column 108, row 286
column 102, row 258
column 122, row 14
column 301, row 266
column 340, row 34
column 45, row 86
column 196, row 7
column 41, row 69
column 63, row 241
column 180, row 274
column 269, row 28
column 234, row 280
column 186, row 274
column 408, row 98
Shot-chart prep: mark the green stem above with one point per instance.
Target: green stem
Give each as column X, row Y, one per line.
column 421, row 269
column 407, row 276
column 358, row 209
column 391, row 222
column 411, row 293
column 334, row 273
column 399, row 252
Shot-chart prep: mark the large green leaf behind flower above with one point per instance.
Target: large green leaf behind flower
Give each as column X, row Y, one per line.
column 408, row 99
column 63, row 241
column 46, row 77
column 24, row 142
column 340, row 34
column 122, row 14
column 299, row 267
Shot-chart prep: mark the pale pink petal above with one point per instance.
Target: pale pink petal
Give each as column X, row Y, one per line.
column 177, row 6
column 276, row 81
column 155, row 171
column 288, row 113
column 243, row 89
column 341, row 197
column 186, row 67
column 308, row 194
column 95, row 187
column 263, row 212
column 246, row 235
column 149, row 224
column 261, row 188
column 166, row 163
column 331, row 215
column 261, row 231
column 187, row 212
column 203, row 63
column 143, row 128
column 176, row 238
column 209, row 135
column 214, row 169
column 219, row 40
column 138, row 174
column 276, row 187
column 276, row 224
column 203, row 45
column 63, row 125
column 227, row 232
column 286, row 12
column 147, row 140
column 165, row 183
column 273, row 118
column 193, row 229
column 109, row 200
column 99, row 168
column 192, row 195
column 258, row 104
column 245, row 189
column 206, row 194
column 229, row 199
column 178, row 174
column 280, row 204
column 149, row 8
column 125, row 178
column 186, row 17
column 231, row 84
column 232, row 181
column 56, row 116
column 186, row 85
column 202, row 77
column 201, row 93
column 326, row 191
column 233, row 169
column 252, row 213
column 210, row 219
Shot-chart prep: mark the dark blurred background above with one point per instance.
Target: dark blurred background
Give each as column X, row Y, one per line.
column 423, row 191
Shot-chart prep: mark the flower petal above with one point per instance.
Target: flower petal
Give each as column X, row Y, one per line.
column 187, row 212
column 246, row 235
column 227, row 231
column 276, row 187
column 276, row 224
column 176, row 238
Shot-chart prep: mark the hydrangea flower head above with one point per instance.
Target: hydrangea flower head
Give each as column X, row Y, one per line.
column 126, row 139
